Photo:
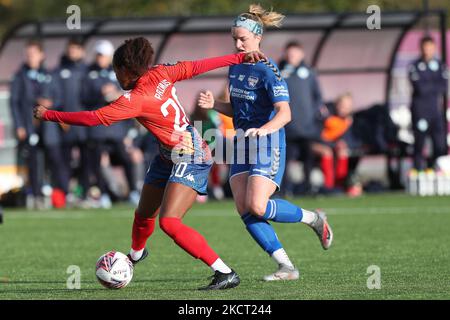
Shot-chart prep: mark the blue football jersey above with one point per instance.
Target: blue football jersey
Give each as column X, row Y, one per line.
column 254, row 88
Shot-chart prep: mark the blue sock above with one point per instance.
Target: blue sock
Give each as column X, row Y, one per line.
column 280, row 210
column 262, row 232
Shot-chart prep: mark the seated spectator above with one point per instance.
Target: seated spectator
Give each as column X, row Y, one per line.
column 332, row 148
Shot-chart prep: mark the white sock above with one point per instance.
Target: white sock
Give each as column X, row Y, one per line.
column 308, row 217
column 280, row 256
column 136, row 255
column 219, row 265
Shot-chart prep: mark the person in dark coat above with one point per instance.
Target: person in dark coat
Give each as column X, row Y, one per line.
column 68, row 79
column 429, row 79
column 31, row 85
column 306, row 101
column 100, row 87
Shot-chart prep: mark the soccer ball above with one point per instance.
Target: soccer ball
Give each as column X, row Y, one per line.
column 114, row 270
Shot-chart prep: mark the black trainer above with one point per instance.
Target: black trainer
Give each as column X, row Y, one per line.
column 144, row 255
column 222, row 281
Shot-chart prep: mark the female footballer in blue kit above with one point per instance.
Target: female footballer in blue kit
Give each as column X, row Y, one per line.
column 259, row 105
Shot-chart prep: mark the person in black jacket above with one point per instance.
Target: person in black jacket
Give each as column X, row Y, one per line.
column 101, row 87
column 429, row 79
column 33, row 84
column 306, row 101
column 68, row 79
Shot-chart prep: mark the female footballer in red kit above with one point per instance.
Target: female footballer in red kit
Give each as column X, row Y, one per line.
column 180, row 171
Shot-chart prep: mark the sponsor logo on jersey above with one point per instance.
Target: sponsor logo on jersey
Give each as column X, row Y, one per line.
column 252, row 81
column 161, row 89
column 280, row 91
column 241, row 77
column 242, row 94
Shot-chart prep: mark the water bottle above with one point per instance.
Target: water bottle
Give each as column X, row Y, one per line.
column 439, row 183
column 422, row 183
column 412, row 182
column 447, row 183
column 430, row 188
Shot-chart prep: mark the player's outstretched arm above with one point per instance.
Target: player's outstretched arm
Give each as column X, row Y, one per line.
column 188, row 69
column 81, row 118
column 205, row 65
column 128, row 106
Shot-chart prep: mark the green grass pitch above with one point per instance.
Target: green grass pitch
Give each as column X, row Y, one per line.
column 408, row 238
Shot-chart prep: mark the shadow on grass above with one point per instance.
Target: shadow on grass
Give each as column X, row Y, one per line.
column 170, row 285
column 94, row 281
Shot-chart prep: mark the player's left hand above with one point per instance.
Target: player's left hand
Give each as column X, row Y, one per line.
column 39, row 111
column 44, row 102
column 253, row 132
column 254, row 56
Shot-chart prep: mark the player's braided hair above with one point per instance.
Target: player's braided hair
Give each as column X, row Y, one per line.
column 135, row 55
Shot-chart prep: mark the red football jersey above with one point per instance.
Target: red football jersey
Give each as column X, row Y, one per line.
column 154, row 103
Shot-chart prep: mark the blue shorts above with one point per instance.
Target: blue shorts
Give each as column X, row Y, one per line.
column 192, row 175
column 271, row 167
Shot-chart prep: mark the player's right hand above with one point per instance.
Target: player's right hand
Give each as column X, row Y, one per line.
column 39, row 111
column 254, row 56
column 206, row 100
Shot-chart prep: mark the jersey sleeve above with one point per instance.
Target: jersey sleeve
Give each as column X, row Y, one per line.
column 188, row 69
column 128, row 106
column 275, row 85
column 79, row 118
column 179, row 71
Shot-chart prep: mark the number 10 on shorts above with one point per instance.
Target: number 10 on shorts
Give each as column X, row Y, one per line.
column 179, row 169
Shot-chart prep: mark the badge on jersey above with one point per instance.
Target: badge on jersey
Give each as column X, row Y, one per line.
column 422, row 66
column 252, row 81
column 93, row 74
column 303, row 73
column 433, row 65
column 65, row 73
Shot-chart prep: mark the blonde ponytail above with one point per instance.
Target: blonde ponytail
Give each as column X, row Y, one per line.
column 266, row 18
